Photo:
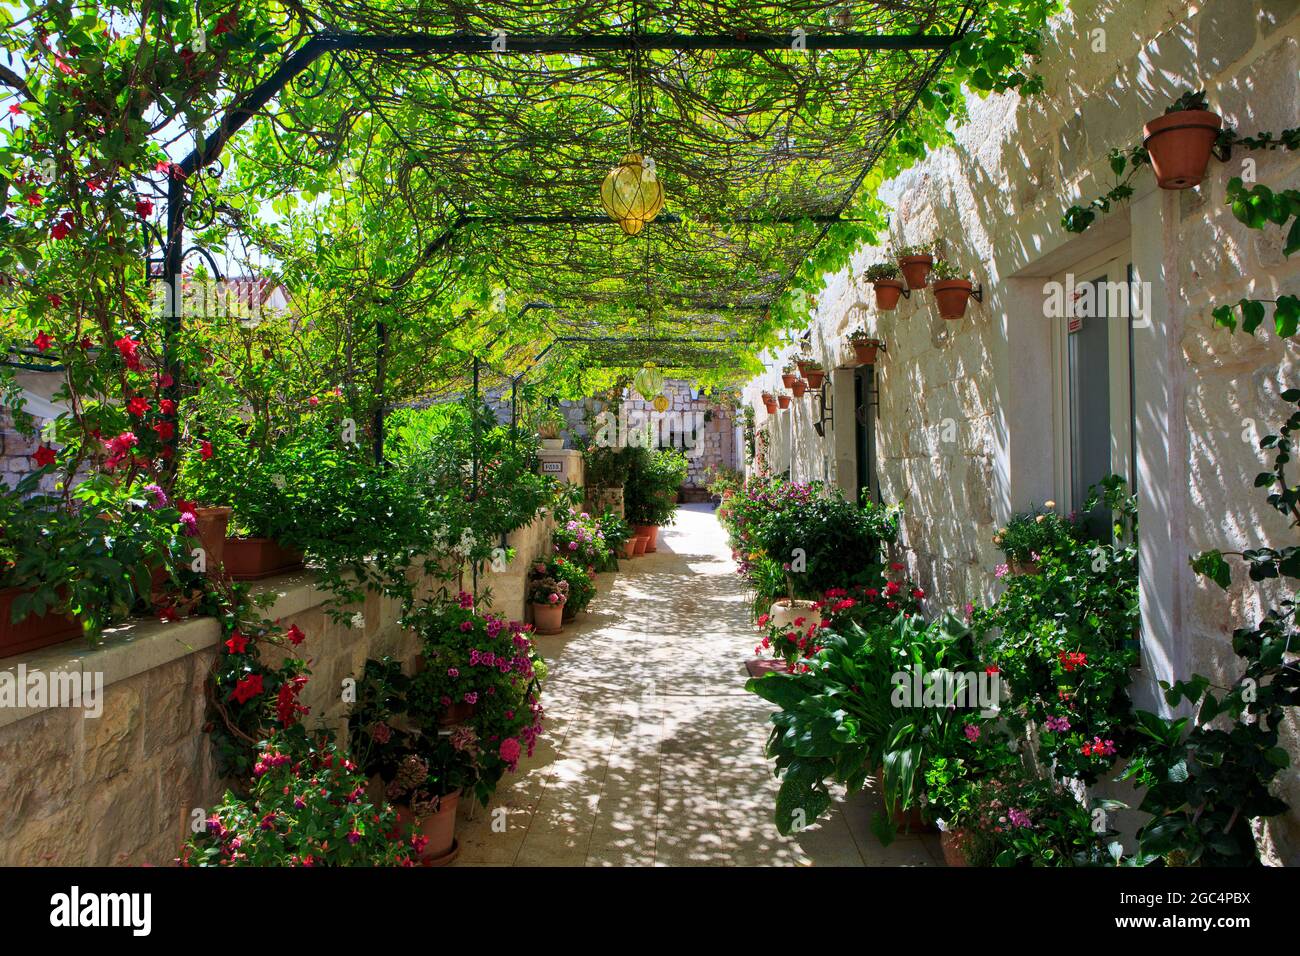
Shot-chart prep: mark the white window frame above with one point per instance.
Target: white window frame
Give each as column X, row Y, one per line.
column 1113, row 262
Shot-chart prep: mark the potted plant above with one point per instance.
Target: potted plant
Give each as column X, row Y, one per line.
column 814, row 374
column 769, row 402
column 550, row 423
column 865, row 346
column 617, row 534
column 951, row 290
column 425, row 792
column 579, row 581
column 798, row 387
column 789, row 375
column 783, row 401
column 887, row 286
column 1031, row 535
column 915, row 263
column 307, row 806
column 1179, row 143
column 547, row 595
column 651, row 492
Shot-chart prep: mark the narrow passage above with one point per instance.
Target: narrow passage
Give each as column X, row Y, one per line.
column 653, row 752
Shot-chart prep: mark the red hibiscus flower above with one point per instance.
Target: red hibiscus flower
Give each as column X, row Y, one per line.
column 138, row 406
column 247, row 688
column 144, row 207
column 42, row 341
column 44, row 457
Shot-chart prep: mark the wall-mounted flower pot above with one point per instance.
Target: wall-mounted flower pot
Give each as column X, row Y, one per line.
column 952, row 296
column 548, row 618
column 33, row 631
column 783, row 401
column 916, row 270
column 251, row 559
column 769, row 402
column 788, row 379
column 815, row 377
column 864, row 350
column 888, row 292
column 799, row 387
column 1180, row 144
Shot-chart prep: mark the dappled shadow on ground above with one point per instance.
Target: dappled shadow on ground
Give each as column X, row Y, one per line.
column 653, row 750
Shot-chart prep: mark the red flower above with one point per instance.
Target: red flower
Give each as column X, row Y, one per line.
column 15, row 109
column 225, row 23
column 205, row 449
column 42, row 341
column 992, row 669
column 60, row 230
column 34, row 199
column 138, row 406
column 247, row 688
column 185, row 507
column 144, row 207
column 313, row 401
column 892, row 588
column 918, row 593
column 165, row 430
column 127, row 347
column 44, row 457
column 295, row 635
column 895, row 566
column 56, row 300
column 237, row 643
column 167, row 406
column 287, row 707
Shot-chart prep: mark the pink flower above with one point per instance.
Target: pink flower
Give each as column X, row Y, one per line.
column 972, row 732
column 1001, row 571
column 509, row 750
column 466, row 626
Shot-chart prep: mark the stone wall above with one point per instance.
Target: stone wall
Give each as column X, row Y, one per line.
column 121, row 788
column 712, row 429
column 967, row 430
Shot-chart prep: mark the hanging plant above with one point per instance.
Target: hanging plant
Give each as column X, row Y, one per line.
column 951, row 291
column 865, row 346
column 813, row 373
column 915, row 263
column 1179, row 142
column 769, row 402
column 887, row 285
column 783, row 401
column 789, row 375
column 798, row 387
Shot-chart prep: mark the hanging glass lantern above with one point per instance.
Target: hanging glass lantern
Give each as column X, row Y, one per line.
column 648, row 381
column 632, row 194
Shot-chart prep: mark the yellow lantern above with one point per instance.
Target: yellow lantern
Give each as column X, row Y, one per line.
column 632, row 194
column 648, row 381
column 660, row 403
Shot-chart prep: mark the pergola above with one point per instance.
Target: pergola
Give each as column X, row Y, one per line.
column 763, row 121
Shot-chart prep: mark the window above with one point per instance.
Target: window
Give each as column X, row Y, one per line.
column 864, row 429
column 1094, row 378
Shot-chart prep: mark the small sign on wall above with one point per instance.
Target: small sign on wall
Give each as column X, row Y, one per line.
column 552, row 467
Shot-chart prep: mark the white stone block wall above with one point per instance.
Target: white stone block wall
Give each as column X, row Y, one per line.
column 995, row 202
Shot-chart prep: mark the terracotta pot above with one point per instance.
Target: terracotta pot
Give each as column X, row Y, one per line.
column 802, row 366
column 953, row 844
column 888, row 292
column 788, row 379
column 952, row 295
column 439, row 828
column 865, row 352
column 916, row 270
column 910, row 822
column 640, row 541
column 33, row 631
column 770, row 405
column 251, row 559
column 212, row 535
column 799, row 387
column 548, row 618
column 783, row 401
column 815, row 377
column 1180, row 144
column 459, row 712
column 629, row 548
column 651, row 534
column 784, row 612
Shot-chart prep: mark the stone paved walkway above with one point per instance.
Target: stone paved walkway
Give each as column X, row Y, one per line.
column 653, row 752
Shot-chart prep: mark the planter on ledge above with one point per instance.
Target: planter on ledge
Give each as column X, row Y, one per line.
column 953, row 843
column 35, row 630
column 1179, row 145
column 952, row 296
column 251, row 559
column 888, row 292
column 211, row 524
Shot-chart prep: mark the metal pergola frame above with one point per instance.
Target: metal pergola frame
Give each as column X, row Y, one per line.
column 239, row 113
